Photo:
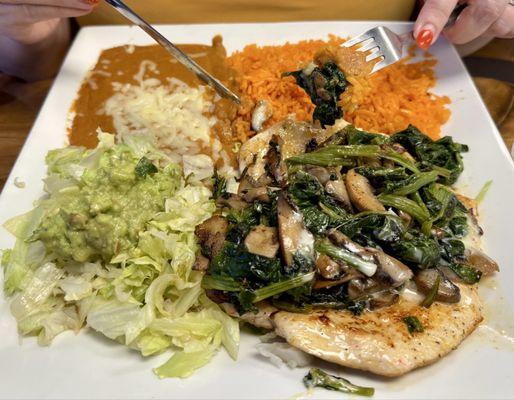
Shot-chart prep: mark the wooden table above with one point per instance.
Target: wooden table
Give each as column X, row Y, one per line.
column 20, row 103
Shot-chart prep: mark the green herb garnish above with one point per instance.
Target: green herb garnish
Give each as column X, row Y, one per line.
column 318, row 378
column 427, row 302
column 413, row 324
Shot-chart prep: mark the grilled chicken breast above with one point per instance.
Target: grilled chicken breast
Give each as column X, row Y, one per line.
column 379, row 341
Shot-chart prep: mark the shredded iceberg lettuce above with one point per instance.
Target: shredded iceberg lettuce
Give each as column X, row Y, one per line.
column 78, row 261
column 182, row 364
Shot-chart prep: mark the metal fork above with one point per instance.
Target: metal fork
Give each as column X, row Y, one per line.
column 182, row 57
column 383, row 43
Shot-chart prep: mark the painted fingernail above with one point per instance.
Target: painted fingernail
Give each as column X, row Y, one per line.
column 424, row 38
column 91, row 2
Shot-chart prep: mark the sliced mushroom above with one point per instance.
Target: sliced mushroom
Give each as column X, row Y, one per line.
column 361, row 192
column 293, row 235
column 337, row 189
column 450, row 274
column 319, row 83
column 346, row 274
column 389, row 164
column 335, row 173
column 320, row 173
column 397, row 272
column 250, row 189
column 406, row 218
column 253, row 194
column 201, row 263
column 447, row 292
column 325, row 284
column 341, row 240
column 274, row 161
column 370, row 162
column 481, row 261
column 212, row 235
column 263, row 241
column 261, row 113
column 398, row 148
column 234, row 202
column 383, row 298
column 361, row 287
column 218, row 296
column 328, row 268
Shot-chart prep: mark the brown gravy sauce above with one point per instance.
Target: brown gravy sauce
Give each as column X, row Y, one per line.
column 121, row 64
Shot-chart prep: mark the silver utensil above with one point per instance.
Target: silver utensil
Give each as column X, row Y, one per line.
column 182, row 57
column 381, row 42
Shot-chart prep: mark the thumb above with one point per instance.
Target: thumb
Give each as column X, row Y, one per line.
column 431, row 20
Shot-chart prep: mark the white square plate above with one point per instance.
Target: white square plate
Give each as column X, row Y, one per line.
column 88, row 366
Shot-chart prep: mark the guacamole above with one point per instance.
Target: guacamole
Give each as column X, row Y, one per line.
column 103, row 214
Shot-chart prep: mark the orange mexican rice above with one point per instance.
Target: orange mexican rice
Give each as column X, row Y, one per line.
column 384, row 102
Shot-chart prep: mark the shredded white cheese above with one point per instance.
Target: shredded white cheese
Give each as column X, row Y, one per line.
column 101, row 73
column 174, row 115
column 143, row 67
column 19, row 183
column 69, row 119
column 130, row 48
column 92, row 83
column 198, row 55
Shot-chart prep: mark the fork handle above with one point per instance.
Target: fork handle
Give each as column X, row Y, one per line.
column 182, row 57
column 455, row 14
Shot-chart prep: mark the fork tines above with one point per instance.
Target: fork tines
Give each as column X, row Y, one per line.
column 380, row 42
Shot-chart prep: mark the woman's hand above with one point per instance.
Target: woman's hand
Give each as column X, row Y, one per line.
column 493, row 18
column 31, row 21
column 35, row 34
